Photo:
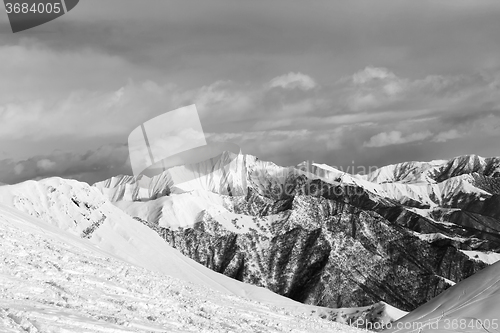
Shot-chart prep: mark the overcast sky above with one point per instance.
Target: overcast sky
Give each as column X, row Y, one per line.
column 348, row 83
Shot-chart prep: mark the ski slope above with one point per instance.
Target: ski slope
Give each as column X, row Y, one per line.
column 53, row 281
column 121, row 236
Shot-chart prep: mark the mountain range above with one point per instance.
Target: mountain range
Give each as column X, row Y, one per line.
column 348, row 248
column 402, row 234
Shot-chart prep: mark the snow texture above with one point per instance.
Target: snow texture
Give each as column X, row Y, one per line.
column 53, row 281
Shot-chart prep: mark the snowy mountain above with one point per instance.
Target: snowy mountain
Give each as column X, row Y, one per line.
column 79, row 215
column 469, row 306
column 436, row 171
column 80, row 210
column 354, row 247
column 54, row 281
column 401, row 235
column 453, row 183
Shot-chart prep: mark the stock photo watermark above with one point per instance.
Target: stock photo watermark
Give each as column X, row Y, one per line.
column 27, row 14
column 453, row 324
column 177, row 138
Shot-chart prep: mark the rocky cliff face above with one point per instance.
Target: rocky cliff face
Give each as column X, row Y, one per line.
column 401, row 235
column 472, row 302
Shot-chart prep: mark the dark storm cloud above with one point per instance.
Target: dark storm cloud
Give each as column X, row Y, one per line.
column 369, row 81
column 245, row 40
column 468, row 116
column 91, row 166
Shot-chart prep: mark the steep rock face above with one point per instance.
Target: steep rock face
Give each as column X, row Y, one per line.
column 328, row 253
column 324, row 237
column 469, row 306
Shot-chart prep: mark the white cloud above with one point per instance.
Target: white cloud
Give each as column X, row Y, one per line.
column 395, row 138
column 373, row 87
column 293, row 81
column 220, row 99
column 81, row 114
column 270, row 124
column 378, row 89
column 18, row 168
column 269, row 144
column 448, row 135
column 45, row 164
column 251, row 114
column 32, row 71
column 370, row 74
column 256, row 135
column 93, row 165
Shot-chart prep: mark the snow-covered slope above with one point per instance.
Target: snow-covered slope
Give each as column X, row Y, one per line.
column 473, row 305
column 81, row 211
column 402, row 234
column 53, row 281
column 214, row 175
column 406, row 172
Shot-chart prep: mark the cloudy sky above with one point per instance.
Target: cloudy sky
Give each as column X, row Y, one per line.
column 348, row 83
